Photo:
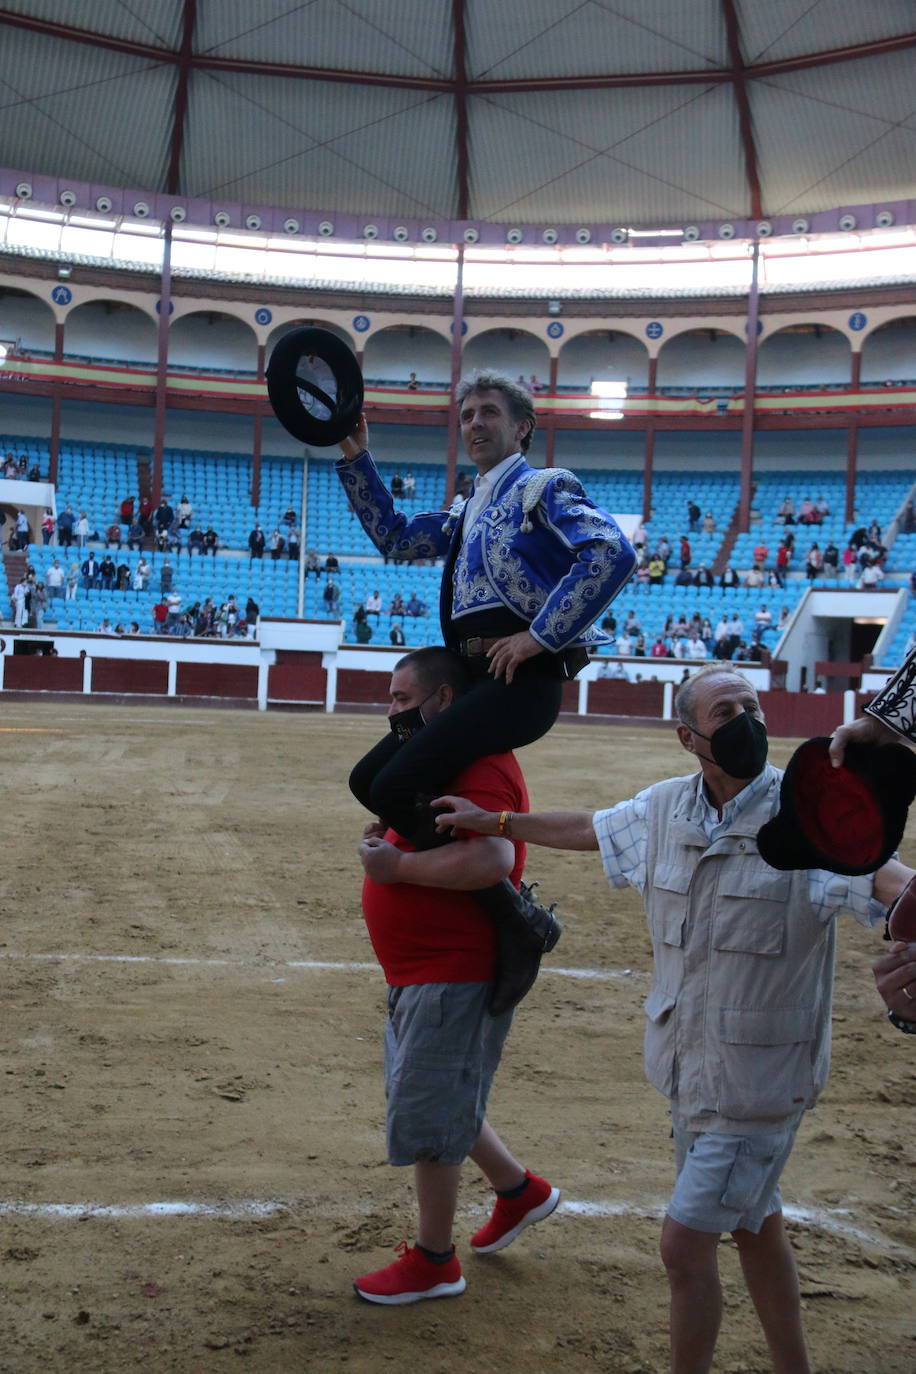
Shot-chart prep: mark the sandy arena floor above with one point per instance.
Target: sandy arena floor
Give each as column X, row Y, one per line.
column 193, row 1152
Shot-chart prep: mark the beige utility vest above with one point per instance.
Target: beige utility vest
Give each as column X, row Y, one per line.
column 738, row 1018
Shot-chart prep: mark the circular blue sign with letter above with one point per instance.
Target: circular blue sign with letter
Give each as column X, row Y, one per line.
column 263, row 316
column 858, row 321
column 61, row 295
column 360, row 323
column 654, row 329
column 759, row 327
column 464, row 327
column 159, row 307
column 555, row 330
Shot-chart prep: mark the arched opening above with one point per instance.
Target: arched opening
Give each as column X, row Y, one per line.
column 283, row 329
column 26, row 322
column 520, row 355
column 805, row 356
column 408, row 355
column 110, row 331
column 212, row 341
column 603, row 355
column 701, row 360
column 889, row 352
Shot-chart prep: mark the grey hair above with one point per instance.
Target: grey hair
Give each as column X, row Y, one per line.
column 685, row 696
column 518, row 398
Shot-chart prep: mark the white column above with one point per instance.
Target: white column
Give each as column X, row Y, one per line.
column 582, row 706
column 668, row 701
column 87, row 674
column 171, row 688
column 262, row 685
column 330, row 696
column 849, row 707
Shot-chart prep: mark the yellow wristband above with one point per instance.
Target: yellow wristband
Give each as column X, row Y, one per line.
column 504, row 824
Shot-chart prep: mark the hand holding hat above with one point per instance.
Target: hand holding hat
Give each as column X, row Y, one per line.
column 847, row 819
column 315, row 386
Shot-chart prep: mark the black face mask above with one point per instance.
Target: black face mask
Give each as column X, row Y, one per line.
column 739, row 746
column 405, row 724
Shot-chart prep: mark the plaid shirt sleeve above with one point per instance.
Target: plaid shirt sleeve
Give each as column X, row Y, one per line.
column 623, row 841
column 831, row 893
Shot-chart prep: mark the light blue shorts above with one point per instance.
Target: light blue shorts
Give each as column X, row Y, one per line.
column 442, row 1048
column 729, row 1182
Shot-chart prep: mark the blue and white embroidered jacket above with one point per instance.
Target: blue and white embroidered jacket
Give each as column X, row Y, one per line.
column 557, row 563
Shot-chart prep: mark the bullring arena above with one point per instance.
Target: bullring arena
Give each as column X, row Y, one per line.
column 688, row 231
column 195, row 1164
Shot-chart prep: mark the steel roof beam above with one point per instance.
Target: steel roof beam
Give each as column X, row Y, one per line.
column 189, row 17
column 878, row 47
column 462, row 160
column 745, row 124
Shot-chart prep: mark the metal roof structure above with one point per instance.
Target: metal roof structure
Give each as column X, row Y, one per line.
column 555, row 120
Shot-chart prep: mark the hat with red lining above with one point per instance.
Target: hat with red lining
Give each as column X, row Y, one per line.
column 848, row 819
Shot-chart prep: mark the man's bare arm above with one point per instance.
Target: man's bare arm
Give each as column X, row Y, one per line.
column 476, row 863
column 553, row 829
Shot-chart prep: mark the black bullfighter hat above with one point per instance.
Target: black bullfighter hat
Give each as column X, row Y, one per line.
column 848, row 819
column 315, row 386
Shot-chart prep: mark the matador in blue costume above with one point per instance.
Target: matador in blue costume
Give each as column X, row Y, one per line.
column 530, row 564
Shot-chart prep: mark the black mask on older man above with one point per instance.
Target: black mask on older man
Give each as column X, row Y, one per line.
column 739, row 746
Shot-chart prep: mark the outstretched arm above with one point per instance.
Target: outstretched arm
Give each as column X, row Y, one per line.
column 553, row 829
column 865, row 730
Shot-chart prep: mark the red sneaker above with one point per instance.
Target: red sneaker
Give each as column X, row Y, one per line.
column 511, row 1215
column 411, row 1278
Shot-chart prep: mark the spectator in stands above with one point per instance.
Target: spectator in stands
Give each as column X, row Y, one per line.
column 709, row 523
column 464, row 485
column 814, row 563
column 22, row 530
column 907, row 523
column 806, row 511
column 196, row 542
column 165, row 516
column 415, row 606
column 126, row 510
column 113, row 535
column 761, row 554
column 135, row 534
column 663, row 549
column 23, row 467
column 313, row 564
column 831, row 559
column 73, row 581
column 256, row 542
column 107, row 573
column 786, row 512
column 396, row 635
column 756, row 577
column 763, row 617
column 706, row 633
column 822, row 508
column 252, row 612
column 721, row 647
column 211, row 540
column 106, row 627
column 54, row 580
column 373, row 604
column 134, row 628
column 631, row 625
column 641, row 575
column 184, row 513
column 639, row 647
column 289, row 515
column 872, row 576
column 741, row 652
column 397, row 606
column 331, row 595
column 685, row 552
column 163, row 541
column 166, row 573
column 18, row 601
column 659, row 648
column 146, row 514
column 292, row 543
column 613, row 668
column 35, row 472
column 142, row 574
column 397, row 485
column 874, row 532
column 850, row 562
column 276, row 544
column 160, row 615
column 205, row 621
column 639, row 537
column 173, row 603
column 48, row 526
column 729, row 577
column 703, row 577
column 656, row 570
column 534, row 386
column 412, row 383
column 623, row 646
column 693, row 516
column 331, row 564
column 90, row 572
column 363, row 632
column 684, row 578
column 65, row 523
column 410, row 484
column 122, row 581
column 690, row 646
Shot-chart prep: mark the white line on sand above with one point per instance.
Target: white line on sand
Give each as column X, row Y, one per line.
column 340, row 966
column 838, row 1220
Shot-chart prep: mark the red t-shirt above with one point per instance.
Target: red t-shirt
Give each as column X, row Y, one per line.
column 435, row 934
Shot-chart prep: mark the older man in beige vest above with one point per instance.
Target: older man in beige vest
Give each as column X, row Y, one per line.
column 738, row 1016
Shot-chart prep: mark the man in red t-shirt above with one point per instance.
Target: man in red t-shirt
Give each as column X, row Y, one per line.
column 438, row 951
